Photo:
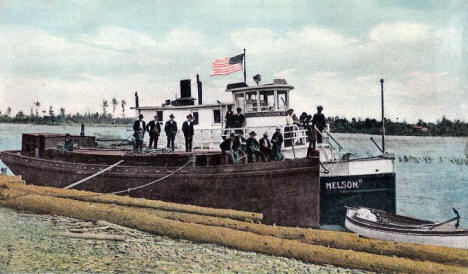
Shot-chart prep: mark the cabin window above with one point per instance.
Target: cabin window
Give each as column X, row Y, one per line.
column 267, row 100
column 282, row 100
column 239, row 100
column 217, row 116
column 251, row 101
column 195, row 117
column 160, row 116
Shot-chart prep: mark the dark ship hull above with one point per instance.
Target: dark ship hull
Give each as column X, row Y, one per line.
column 286, row 192
column 370, row 190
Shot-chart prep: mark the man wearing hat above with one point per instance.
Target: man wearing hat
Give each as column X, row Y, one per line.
column 265, row 146
column 230, row 147
column 139, row 125
column 171, row 130
column 320, row 122
column 154, row 128
column 239, row 119
column 289, row 127
column 187, row 129
column 253, row 148
column 277, row 141
column 229, row 117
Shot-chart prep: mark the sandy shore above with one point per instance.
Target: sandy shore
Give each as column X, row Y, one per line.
column 35, row 243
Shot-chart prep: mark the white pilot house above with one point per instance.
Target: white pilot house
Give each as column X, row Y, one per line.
column 264, row 107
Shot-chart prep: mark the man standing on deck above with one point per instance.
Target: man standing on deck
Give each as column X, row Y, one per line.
column 239, row 120
column 320, row 122
column 154, row 129
column 277, row 141
column 229, row 118
column 187, row 129
column 288, row 135
column 138, row 125
column 171, row 130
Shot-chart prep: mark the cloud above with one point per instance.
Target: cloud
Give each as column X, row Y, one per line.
column 110, row 52
column 422, row 65
column 396, row 32
column 119, row 39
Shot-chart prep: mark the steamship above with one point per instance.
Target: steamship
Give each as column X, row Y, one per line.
column 344, row 180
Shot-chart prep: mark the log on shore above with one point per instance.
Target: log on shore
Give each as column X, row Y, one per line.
column 80, row 195
column 334, row 239
column 248, row 241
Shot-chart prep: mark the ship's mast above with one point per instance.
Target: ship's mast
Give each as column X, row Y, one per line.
column 245, row 81
column 383, row 115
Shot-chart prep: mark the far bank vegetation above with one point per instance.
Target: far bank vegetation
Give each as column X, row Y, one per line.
column 115, row 112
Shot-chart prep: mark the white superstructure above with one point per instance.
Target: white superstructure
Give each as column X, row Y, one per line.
column 264, row 107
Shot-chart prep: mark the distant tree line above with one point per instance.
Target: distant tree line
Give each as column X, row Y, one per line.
column 442, row 127
column 51, row 117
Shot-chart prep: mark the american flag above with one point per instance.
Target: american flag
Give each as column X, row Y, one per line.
column 227, row 65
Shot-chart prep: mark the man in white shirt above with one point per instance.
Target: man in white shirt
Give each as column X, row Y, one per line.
column 288, row 140
column 289, row 118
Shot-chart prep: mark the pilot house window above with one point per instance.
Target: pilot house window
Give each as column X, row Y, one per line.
column 267, row 100
column 251, row 101
column 282, row 100
column 240, row 103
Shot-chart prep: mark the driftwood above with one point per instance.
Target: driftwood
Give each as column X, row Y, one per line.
column 90, row 236
column 126, row 230
column 81, row 230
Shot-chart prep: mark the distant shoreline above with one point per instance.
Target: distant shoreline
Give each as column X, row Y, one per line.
column 72, row 124
column 373, row 132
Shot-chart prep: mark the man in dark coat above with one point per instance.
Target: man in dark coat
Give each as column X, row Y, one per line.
column 187, row 129
column 242, row 141
column 230, row 147
column 137, row 126
column 68, row 146
column 303, row 120
column 320, row 122
column 229, row 117
column 265, row 146
column 277, row 141
column 154, row 129
column 253, row 148
column 171, row 131
column 239, row 119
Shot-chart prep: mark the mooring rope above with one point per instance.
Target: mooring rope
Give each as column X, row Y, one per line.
column 325, row 170
column 102, row 194
column 93, row 175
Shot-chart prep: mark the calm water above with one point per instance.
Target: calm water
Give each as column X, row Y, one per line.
column 432, row 172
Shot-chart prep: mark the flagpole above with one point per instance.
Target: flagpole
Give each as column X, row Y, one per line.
column 244, row 69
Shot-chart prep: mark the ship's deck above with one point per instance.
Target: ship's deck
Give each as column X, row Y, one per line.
column 150, row 158
column 112, row 152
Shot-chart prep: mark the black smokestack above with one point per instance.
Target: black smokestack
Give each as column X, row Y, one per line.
column 136, row 100
column 185, row 88
column 200, row 93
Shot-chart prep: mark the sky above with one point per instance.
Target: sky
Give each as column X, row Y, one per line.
column 74, row 54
